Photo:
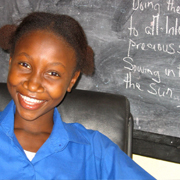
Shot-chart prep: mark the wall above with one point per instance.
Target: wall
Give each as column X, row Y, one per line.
column 159, row 169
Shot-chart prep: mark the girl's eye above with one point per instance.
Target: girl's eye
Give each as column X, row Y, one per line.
column 54, row 74
column 25, row 65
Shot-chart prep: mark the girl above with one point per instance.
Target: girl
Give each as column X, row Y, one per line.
column 47, row 54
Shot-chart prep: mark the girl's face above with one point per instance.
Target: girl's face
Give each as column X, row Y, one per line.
column 41, row 70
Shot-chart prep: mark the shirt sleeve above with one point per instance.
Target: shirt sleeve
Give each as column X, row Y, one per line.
column 115, row 164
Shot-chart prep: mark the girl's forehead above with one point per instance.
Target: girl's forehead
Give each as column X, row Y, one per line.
column 43, row 39
column 45, row 45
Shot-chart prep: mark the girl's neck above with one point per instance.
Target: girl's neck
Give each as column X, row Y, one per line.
column 42, row 124
column 33, row 134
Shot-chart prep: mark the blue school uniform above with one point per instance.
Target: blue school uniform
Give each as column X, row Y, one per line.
column 70, row 152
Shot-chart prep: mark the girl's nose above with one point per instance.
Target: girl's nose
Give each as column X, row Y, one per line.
column 33, row 84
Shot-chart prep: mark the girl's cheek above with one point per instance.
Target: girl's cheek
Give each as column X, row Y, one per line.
column 13, row 77
column 56, row 92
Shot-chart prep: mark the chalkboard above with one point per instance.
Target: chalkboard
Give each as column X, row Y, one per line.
column 137, row 52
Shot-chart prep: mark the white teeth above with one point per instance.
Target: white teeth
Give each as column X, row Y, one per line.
column 29, row 100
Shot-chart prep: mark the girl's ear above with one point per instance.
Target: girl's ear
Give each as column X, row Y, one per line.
column 73, row 81
column 10, row 59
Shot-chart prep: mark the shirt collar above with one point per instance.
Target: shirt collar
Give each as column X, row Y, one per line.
column 66, row 131
column 7, row 119
column 61, row 133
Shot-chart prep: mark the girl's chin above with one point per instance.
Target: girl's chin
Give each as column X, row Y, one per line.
column 27, row 116
column 31, row 115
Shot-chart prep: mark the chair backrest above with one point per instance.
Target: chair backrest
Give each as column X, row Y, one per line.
column 107, row 113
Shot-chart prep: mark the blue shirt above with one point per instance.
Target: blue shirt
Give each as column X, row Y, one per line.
column 70, row 152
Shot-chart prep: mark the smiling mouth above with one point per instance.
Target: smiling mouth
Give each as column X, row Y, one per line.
column 31, row 101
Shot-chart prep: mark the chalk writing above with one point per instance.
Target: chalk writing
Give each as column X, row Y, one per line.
column 156, row 84
column 175, row 30
column 165, row 48
column 169, row 72
column 154, row 28
column 129, row 83
column 172, row 8
column 137, row 5
column 132, row 30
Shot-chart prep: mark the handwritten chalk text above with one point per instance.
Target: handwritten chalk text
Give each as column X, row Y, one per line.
column 144, row 5
column 165, row 48
column 172, row 8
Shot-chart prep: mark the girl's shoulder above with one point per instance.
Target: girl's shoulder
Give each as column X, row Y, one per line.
column 96, row 139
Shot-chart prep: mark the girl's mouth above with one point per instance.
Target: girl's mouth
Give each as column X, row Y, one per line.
column 29, row 103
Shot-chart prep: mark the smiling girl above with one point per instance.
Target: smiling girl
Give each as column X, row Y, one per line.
column 48, row 52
